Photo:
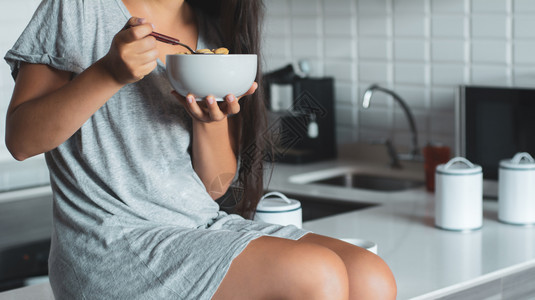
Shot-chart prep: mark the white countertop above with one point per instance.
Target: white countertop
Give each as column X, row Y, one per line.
column 427, row 262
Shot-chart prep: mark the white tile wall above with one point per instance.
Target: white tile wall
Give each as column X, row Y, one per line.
column 373, row 49
column 490, row 51
column 378, row 25
column 410, row 6
column 339, row 47
column 489, row 26
column 336, row 26
column 307, row 47
column 448, row 26
column 448, row 50
column 523, row 52
column 498, row 6
column 449, row 6
column 305, row 26
column 339, row 8
column 523, row 26
column 373, row 6
column 524, row 76
column 524, row 6
column 423, row 49
column 411, row 50
column 374, row 71
column 449, row 74
column 442, row 100
column 410, row 25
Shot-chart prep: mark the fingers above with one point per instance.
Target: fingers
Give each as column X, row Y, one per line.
column 192, row 107
column 136, row 29
column 148, row 57
column 133, row 21
column 251, row 90
column 213, row 109
column 136, row 33
column 145, row 69
column 142, row 45
column 195, row 110
column 232, row 107
column 139, row 64
column 133, row 53
column 207, row 110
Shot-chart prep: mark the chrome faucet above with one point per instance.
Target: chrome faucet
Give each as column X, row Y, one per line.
column 414, row 153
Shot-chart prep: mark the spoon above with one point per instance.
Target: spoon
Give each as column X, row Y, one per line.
column 167, row 39
column 170, row 40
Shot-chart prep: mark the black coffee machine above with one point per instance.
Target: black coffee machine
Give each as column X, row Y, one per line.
column 303, row 129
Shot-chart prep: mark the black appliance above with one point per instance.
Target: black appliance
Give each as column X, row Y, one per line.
column 25, row 233
column 305, row 130
column 494, row 123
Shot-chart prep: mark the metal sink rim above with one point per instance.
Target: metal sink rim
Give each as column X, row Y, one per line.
column 415, row 180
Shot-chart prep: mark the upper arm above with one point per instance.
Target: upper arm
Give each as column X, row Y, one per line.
column 34, row 81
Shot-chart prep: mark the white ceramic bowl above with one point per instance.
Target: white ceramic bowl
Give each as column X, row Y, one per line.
column 211, row 74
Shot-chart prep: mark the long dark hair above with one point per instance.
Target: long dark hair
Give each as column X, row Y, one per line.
column 240, row 24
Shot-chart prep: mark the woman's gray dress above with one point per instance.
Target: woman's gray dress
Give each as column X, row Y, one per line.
column 132, row 220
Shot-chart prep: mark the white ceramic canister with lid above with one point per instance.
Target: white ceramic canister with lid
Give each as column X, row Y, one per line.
column 516, row 190
column 459, row 195
column 276, row 208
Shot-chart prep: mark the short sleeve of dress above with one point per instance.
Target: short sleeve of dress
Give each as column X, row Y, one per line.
column 53, row 37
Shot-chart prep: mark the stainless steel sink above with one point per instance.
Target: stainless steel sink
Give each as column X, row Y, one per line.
column 370, row 182
column 364, row 177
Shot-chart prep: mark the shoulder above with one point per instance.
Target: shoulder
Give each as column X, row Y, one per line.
column 82, row 18
column 60, row 5
column 76, row 9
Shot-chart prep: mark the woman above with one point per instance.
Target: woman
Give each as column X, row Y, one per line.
column 132, row 166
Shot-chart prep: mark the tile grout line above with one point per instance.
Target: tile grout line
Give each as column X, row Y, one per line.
column 428, row 70
column 468, row 43
column 391, row 68
column 509, row 43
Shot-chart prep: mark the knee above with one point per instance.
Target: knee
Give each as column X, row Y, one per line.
column 320, row 272
column 371, row 278
column 381, row 281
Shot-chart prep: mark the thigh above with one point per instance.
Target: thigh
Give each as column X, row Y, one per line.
column 275, row 268
column 369, row 276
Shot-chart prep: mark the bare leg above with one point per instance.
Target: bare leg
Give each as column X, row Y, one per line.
column 276, row 268
column 369, row 276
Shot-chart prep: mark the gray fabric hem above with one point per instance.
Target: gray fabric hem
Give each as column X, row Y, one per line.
column 14, row 58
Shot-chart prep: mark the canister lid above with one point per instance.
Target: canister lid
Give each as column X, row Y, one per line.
column 521, row 161
column 459, row 166
column 277, row 202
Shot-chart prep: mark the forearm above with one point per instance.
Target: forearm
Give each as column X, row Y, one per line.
column 41, row 124
column 214, row 155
